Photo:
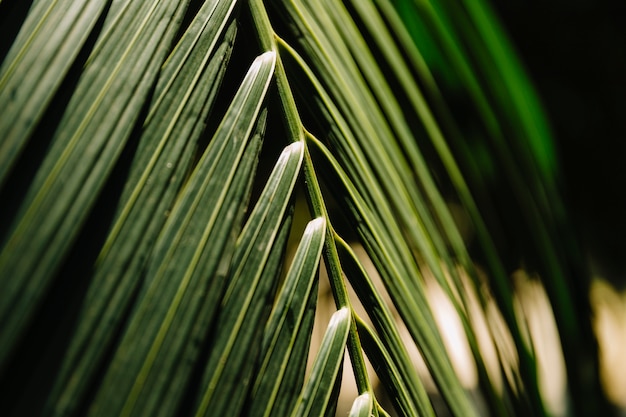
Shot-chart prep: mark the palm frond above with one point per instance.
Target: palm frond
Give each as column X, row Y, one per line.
column 283, row 326
column 83, row 149
column 26, row 89
column 155, row 190
column 315, row 395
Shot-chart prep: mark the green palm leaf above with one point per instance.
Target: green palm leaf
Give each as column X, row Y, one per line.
column 161, row 164
column 53, row 33
column 170, row 302
column 315, row 395
column 88, row 140
column 252, row 278
column 283, row 326
column 126, row 128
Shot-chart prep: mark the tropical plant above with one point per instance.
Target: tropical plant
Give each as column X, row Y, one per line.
column 152, row 157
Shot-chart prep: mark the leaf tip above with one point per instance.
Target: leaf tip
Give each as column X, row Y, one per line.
column 294, row 148
column 362, row 406
column 316, row 224
column 268, row 57
column 339, row 316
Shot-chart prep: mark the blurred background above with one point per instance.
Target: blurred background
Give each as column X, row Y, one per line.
column 575, row 53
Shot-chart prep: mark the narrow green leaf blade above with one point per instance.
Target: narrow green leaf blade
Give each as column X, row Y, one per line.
column 416, row 401
column 85, row 147
column 402, row 280
column 286, row 319
column 183, row 276
column 293, row 377
column 316, row 393
column 47, row 45
column 162, row 160
column 392, row 378
column 252, row 277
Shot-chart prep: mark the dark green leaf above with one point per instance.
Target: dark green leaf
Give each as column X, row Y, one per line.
column 95, row 126
column 293, row 377
column 49, row 41
column 183, row 274
column 284, row 324
column 163, row 158
column 317, row 390
column 246, row 298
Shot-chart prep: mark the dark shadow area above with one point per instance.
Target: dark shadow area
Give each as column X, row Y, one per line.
column 25, row 168
column 53, row 327
column 574, row 52
column 12, row 16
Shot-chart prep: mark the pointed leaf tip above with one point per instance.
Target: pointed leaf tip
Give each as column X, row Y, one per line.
column 266, row 58
column 268, row 55
column 315, row 225
column 338, row 317
column 295, row 147
column 294, row 150
column 362, row 406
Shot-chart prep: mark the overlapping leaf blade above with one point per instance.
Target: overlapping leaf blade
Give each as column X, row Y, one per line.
column 513, row 149
column 184, row 281
column 85, row 146
column 293, row 377
column 161, row 163
column 390, row 374
column 316, row 393
column 283, row 327
column 394, row 256
column 394, row 263
column 183, row 299
column 252, row 278
column 530, row 165
column 347, row 115
column 42, row 53
column 360, row 137
column 391, row 173
column 395, row 359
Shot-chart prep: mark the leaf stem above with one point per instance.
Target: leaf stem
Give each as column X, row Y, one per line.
column 314, row 195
